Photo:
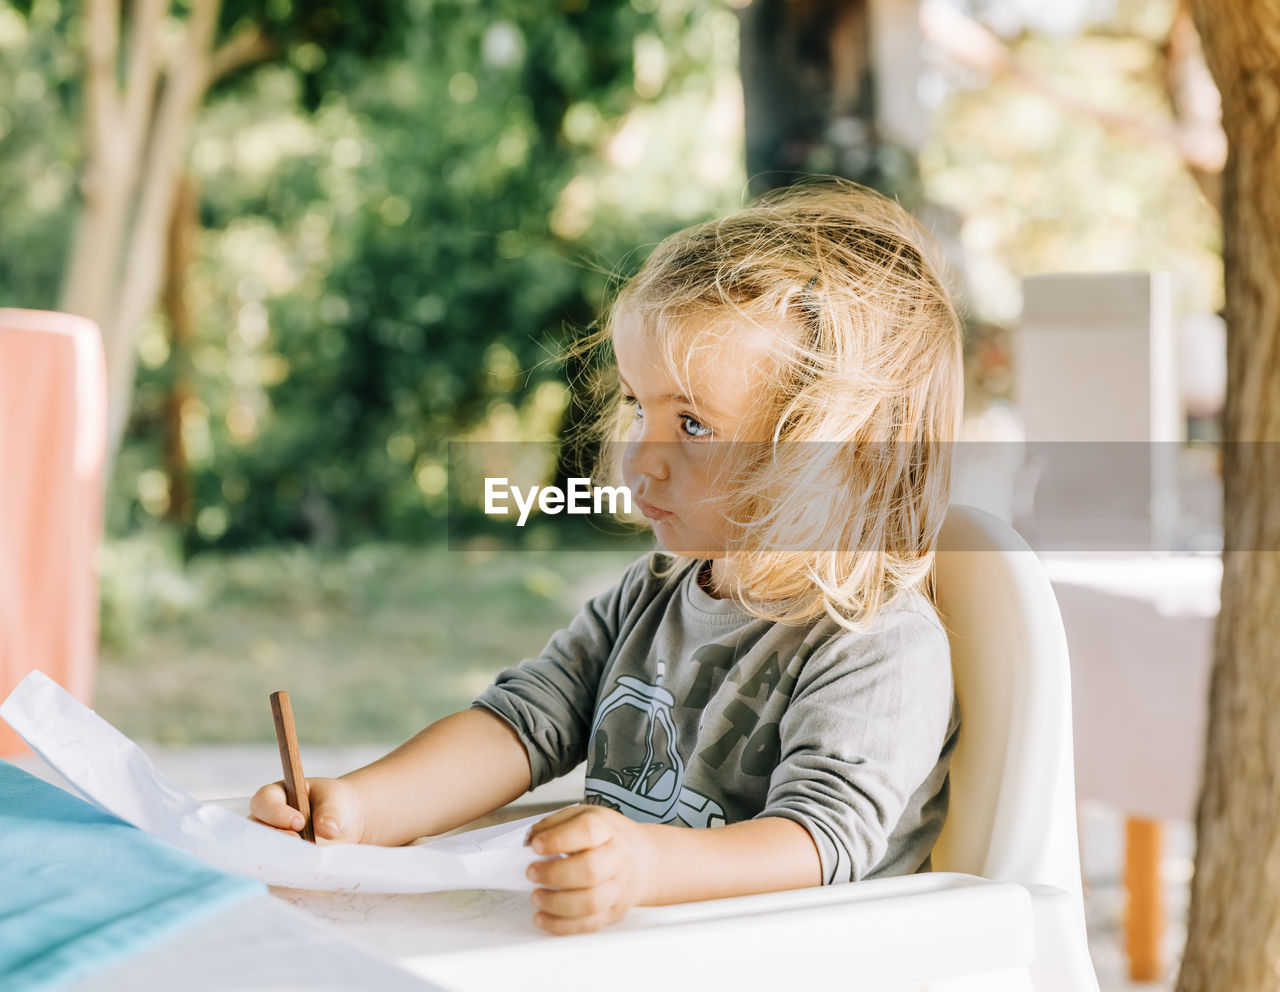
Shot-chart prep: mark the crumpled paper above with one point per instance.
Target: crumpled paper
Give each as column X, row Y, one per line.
column 112, row 772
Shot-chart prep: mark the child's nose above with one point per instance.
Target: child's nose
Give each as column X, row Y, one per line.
column 646, row 458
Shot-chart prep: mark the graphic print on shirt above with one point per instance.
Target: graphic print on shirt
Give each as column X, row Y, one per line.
column 643, row 779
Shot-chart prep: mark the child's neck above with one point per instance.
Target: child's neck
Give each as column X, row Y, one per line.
column 714, row 576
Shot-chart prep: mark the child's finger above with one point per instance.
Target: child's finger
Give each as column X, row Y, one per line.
column 577, row 903
column 553, row 819
column 279, row 830
column 562, row 926
column 268, row 805
column 577, row 871
column 575, row 833
column 329, row 824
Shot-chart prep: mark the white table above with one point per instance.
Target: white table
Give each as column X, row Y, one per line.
column 1139, row 630
column 259, row 944
column 863, row 936
column 859, row 937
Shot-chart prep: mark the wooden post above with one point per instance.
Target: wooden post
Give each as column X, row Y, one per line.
column 1144, row 910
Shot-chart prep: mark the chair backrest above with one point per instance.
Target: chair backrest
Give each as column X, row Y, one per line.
column 1012, row 807
column 53, row 419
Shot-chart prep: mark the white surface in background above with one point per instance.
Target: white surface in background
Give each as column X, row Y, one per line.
column 1140, row 632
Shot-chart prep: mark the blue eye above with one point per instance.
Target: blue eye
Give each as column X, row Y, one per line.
column 631, row 401
column 693, row 428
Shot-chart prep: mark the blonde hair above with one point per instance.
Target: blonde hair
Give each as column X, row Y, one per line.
column 866, row 366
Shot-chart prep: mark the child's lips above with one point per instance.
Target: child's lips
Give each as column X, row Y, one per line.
column 651, row 511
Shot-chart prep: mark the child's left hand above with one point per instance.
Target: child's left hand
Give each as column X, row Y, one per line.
column 608, row 870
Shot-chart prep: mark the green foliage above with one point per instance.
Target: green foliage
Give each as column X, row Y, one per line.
column 142, row 585
column 404, row 265
column 405, row 212
column 39, row 151
column 373, row 643
column 327, row 43
column 408, row 211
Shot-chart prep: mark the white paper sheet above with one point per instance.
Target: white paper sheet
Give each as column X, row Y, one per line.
column 113, row 773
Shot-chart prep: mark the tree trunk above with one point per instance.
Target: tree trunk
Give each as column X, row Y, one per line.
column 182, row 233
column 136, row 140
column 808, row 89
column 1233, row 939
column 1194, row 101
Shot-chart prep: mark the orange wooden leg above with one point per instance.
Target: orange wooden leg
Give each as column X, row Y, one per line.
column 1144, row 913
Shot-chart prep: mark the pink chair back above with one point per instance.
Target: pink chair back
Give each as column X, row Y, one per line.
column 53, row 417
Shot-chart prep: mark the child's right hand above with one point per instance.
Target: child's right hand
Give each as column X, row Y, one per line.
column 335, row 810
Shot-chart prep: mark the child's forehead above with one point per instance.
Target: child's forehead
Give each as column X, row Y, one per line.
column 718, row 359
column 704, row 337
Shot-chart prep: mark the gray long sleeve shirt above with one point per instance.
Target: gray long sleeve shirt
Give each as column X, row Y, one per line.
column 689, row 710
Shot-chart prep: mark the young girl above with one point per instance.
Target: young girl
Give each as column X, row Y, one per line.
column 788, row 383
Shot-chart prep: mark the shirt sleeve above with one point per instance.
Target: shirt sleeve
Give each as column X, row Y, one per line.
column 549, row 700
column 864, row 729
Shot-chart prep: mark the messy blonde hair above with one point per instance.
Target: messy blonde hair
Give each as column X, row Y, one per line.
column 866, row 366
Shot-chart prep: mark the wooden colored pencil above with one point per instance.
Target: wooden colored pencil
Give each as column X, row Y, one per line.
column 295, row 783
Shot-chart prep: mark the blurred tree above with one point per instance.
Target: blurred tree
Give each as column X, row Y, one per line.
column 830, row 88
column 182, row 334
column 39, row 152
column 404, row 265
column 1233, row 939
column 139, row 101
column 1194, row 132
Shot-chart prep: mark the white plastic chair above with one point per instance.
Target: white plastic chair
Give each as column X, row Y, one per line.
column 1012, row 811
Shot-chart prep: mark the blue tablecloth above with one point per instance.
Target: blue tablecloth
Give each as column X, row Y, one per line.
column 79, row 887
